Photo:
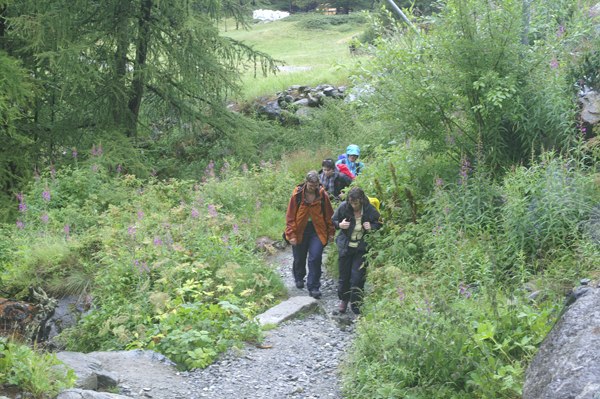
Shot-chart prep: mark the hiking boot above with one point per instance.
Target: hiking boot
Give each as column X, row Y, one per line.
column 343, row 306
column 315, row 294
column 300, row 284
column 355, row 309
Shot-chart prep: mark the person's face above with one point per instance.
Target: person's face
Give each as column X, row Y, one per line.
column 328, row 171
column 355, row 204
column 352, row 158
column 312, row 186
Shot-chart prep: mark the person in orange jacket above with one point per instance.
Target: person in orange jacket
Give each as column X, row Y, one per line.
column 309, row 228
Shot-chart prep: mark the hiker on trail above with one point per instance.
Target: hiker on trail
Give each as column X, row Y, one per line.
column 349, row 162
column 333, row 181
column 355, row 217
column 309, row 229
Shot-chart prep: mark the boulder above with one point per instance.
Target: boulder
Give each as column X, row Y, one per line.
column 85, row 394
column 567, row 365
column 89, row 371
column 590, row 106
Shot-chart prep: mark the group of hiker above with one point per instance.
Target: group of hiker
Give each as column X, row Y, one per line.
column 311, row 224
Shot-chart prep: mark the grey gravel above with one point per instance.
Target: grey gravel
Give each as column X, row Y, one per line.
column 298, row 359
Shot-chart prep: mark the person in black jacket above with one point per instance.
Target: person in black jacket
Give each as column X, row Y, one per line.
column 333, row 181
column 355, row 218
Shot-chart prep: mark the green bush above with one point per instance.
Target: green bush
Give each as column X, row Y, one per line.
column 428, row 341
column 40, row 375
column 319, row 21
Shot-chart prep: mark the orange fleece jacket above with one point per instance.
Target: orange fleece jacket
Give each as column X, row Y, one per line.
column 296, row 220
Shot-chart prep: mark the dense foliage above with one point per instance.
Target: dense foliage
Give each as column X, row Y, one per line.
column 166, row 265
column 482, row 80
column 469, row 131
column 40, row 374
column 116, row 71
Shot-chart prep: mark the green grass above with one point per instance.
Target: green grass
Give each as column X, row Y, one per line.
column 300, row 41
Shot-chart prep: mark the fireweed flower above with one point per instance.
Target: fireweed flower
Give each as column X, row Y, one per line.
column 439, row 182
column 209, row 172
column 67, row 230
column 157, row 241
column 20, row 225
column 74, row 153
column 22, row 207
column 97, row 151
column 554, row 63
column 46, row 195
column 131, row 231
column 44, row 218
column 258, row 205
column 236, row 228
column 94, row 168
column 212, row 211
column 140, row 215
column 560, row 31
column 401, row 294
column 465, row 168
column 195, row 213
column 464, row 290
column 224, row 169
column 119, row 168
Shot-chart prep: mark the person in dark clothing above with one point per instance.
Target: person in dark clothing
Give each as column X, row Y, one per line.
column 355, row 218
column 309, row 229
column 333, row 181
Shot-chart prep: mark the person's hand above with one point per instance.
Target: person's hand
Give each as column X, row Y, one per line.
column 367, row 226
column 344, row 224
column 292, row 241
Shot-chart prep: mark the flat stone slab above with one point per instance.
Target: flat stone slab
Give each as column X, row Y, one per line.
column 287, row 309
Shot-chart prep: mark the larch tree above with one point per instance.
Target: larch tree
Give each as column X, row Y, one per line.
column 111, row 66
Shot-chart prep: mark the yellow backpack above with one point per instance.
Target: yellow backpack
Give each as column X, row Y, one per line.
column 375, row 202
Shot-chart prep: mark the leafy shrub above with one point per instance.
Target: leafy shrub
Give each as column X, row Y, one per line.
column 417, row 340
column 41, row 375
column 546, row 205
column 319, row 21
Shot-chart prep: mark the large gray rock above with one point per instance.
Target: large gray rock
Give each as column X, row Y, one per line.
column 89, row 370
column 590, row 107
column 287, row 310
column 567, row 366
column 84, row 394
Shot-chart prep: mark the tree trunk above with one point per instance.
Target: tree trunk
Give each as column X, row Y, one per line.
column 139, row 74
column 119, row 109
column 2, row 27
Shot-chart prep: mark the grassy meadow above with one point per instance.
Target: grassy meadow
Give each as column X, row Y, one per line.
column 310, row 49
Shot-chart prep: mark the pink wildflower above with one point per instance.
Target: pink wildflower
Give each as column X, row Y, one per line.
column 212, row 211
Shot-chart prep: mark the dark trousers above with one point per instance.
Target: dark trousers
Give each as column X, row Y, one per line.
column 311, row 247
column 353, row 273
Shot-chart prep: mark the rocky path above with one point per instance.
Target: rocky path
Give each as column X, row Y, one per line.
column 298, row 359
column 302, row 358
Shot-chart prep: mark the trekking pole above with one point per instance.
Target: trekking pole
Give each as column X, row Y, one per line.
column 404, row 17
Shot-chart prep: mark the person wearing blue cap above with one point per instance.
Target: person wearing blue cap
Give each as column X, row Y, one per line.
column 351, row 160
